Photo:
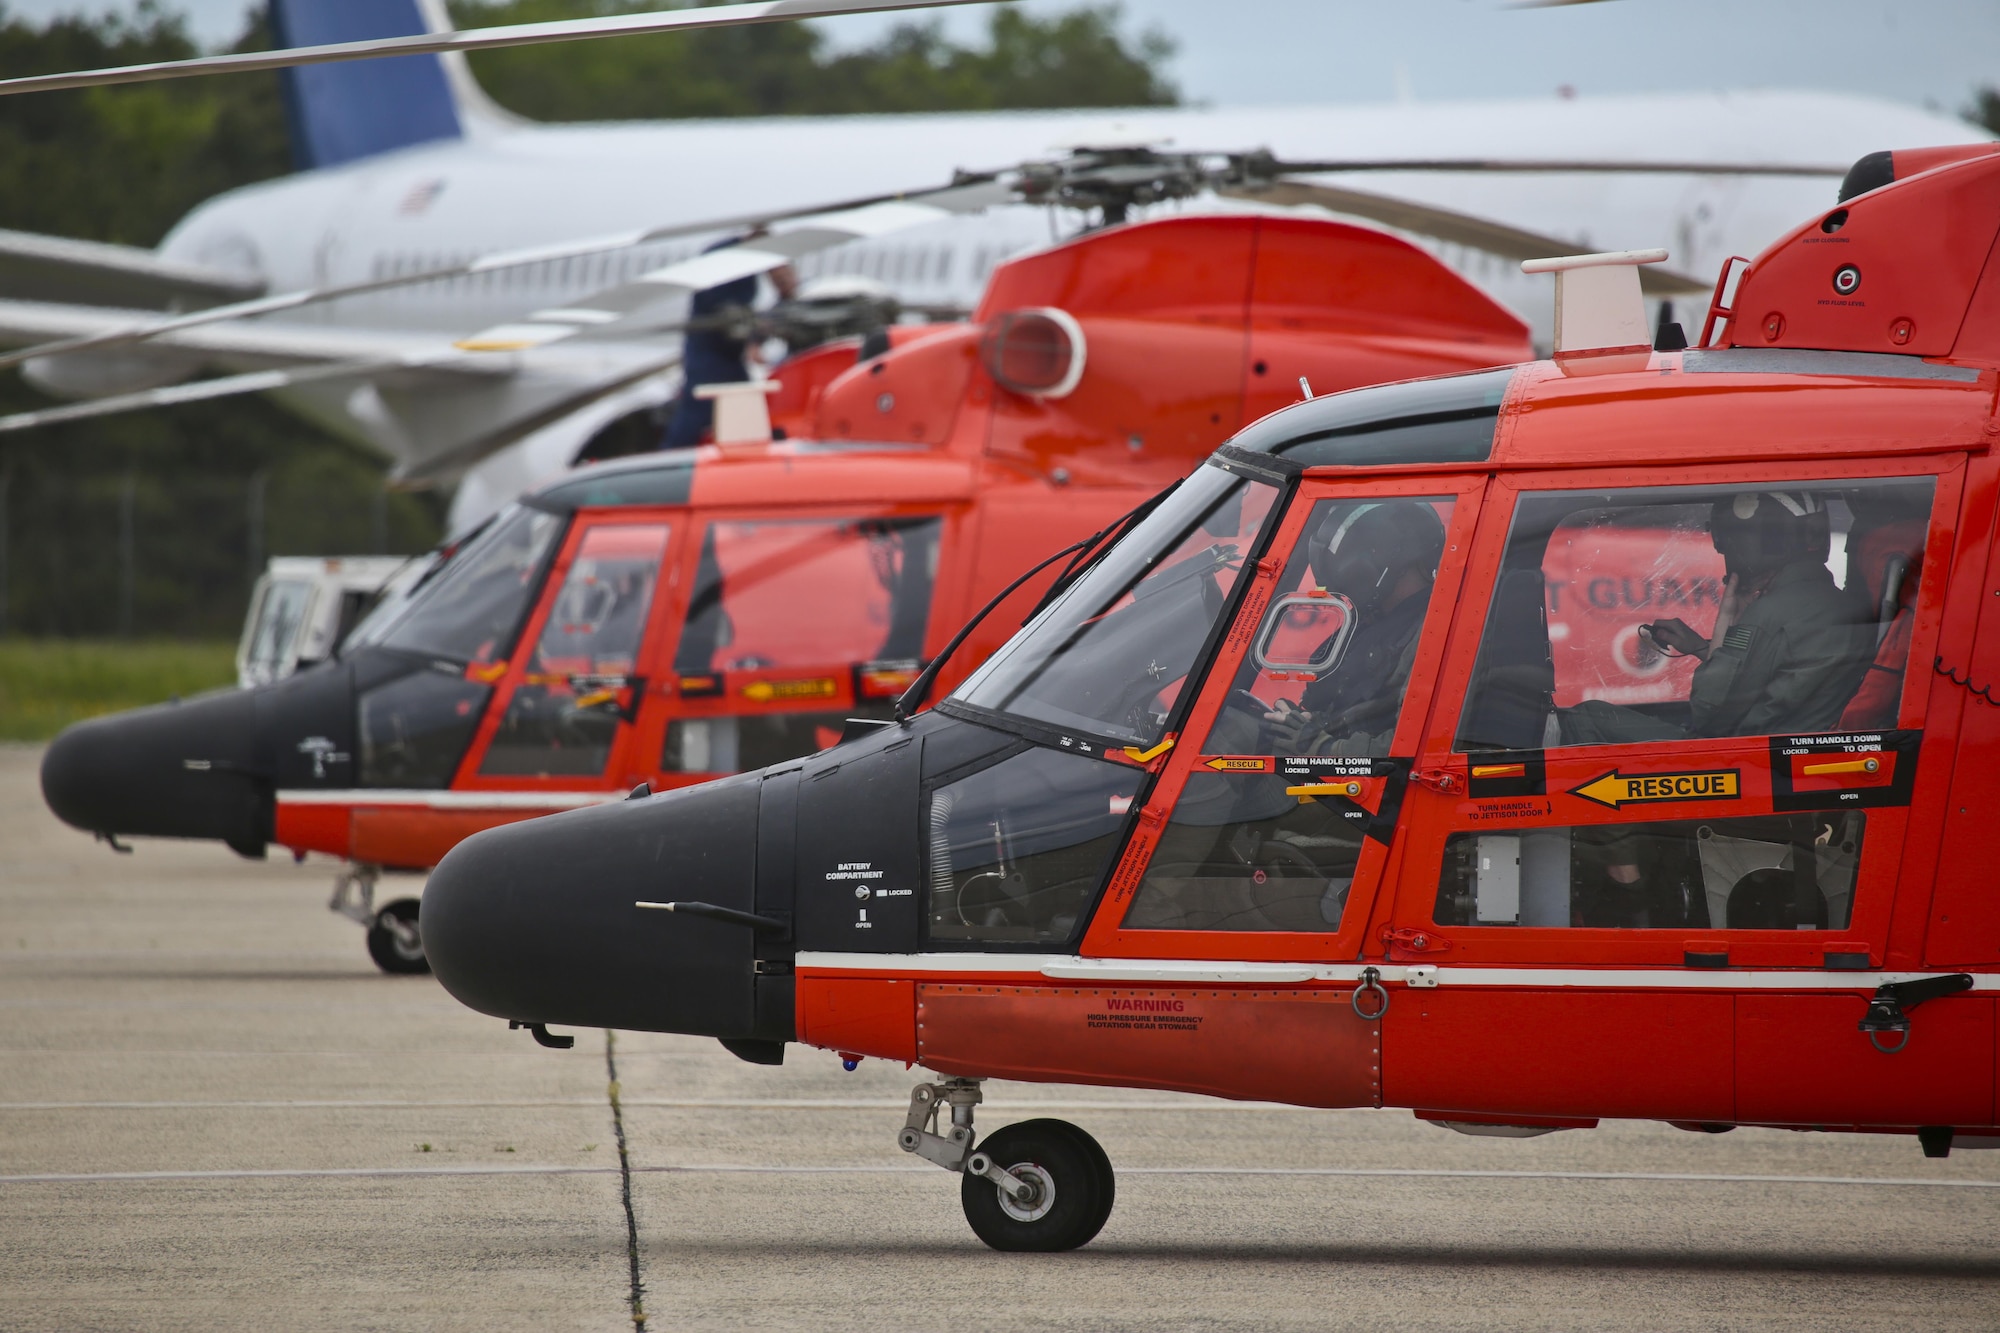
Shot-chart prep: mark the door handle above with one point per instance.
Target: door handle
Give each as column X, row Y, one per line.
column 1889, row 1010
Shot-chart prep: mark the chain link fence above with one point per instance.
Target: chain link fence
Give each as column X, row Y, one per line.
column 127, row 554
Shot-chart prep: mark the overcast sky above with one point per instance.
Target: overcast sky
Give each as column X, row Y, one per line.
column 1932, row 52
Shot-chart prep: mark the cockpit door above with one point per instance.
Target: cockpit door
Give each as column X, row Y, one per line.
column 791, row 623
column 569, row 697
column 1273, row 821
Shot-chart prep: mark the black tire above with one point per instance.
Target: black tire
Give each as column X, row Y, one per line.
column 386, row 945
column 1071, row 1166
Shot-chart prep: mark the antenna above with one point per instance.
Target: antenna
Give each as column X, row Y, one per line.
column 1598, row 306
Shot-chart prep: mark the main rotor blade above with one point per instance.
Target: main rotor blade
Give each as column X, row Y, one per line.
column 473, row 39
column 228, row 386
column 496, row 262
column 1446, row 225
column 1552, row 165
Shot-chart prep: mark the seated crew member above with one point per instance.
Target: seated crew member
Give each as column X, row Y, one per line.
column 1785, row 655
column 716, row 349
column 1383, row 558
column 1788, row 646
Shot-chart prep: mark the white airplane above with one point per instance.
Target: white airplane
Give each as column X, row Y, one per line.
column 499, row 376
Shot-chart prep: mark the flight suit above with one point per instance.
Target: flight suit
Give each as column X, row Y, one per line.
column 1790, row 662
column 1788, row 665
column 1354, row 709
column 708, row 356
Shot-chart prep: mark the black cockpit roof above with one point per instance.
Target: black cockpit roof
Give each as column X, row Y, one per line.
column 1446, row 420
column 653, row 479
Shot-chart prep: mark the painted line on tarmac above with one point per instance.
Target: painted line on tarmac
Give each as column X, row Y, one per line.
column 1333, row 1172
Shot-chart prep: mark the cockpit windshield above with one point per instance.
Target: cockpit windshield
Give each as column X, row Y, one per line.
column 1113, row 653
column 470, row 609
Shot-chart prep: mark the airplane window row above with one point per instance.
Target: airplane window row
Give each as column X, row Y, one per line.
column 912, row 264
column 895, row 264
column 580, row 273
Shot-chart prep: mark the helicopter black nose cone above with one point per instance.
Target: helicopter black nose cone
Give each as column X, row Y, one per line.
column 539, row 921
column 179, row 770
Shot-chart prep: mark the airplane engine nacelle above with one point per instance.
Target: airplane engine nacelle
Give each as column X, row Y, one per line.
column 99, row 374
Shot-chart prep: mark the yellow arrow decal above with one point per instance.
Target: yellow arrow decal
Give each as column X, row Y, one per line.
column 1615, row 789
column 764, row 691
column 1239, row 763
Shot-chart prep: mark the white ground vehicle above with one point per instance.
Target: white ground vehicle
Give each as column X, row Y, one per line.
column 304, row 605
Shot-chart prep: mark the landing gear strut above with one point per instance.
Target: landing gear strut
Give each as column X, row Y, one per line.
column 393, row 940
column 1040, row 1186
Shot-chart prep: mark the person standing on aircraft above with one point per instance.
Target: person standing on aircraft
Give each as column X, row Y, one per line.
column 1383, row 558
column 718, row 345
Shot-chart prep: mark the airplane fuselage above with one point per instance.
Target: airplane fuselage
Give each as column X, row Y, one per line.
column 535, row 184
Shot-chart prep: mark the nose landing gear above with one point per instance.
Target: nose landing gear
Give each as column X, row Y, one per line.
column 393, row 940
column 1039, row 1186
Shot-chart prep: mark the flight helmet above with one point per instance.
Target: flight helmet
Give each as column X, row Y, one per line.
column 1756, row 532
column 1364, row 552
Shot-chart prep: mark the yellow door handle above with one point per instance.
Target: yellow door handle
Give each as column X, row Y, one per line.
column 1325, row 789
column 1844, row 766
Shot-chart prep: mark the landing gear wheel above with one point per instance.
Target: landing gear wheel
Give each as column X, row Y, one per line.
column 393, row 941
column 1075, row 1189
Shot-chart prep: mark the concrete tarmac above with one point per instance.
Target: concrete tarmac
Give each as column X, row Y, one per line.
column 216, row 1114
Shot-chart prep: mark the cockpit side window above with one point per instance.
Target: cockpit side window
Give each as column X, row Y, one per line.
column 773, row 594
column 1688, row 612
column 472, row 609
column 1111, row 656
column 788, row 616
column 1249, row 847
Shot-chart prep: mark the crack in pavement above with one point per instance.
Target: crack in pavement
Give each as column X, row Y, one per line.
column 637, row 1293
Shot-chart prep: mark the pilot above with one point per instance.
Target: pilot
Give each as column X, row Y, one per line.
column 1789, row 647
column 1383, row 558
column 717, row 348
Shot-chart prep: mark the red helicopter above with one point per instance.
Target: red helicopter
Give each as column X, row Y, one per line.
column 666, row 619
column 1603, row 737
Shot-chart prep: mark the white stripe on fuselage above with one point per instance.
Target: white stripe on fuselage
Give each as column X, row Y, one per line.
column 449, row 800
column 1190, row 971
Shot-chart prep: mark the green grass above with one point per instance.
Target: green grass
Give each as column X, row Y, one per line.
column 46, row 684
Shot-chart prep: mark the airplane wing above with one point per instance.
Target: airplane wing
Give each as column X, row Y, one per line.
column 238, row 344
column 54, row 268
column 195, row 391
column 434, row 406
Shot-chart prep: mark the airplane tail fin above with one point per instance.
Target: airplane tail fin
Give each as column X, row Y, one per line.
column 344, row 112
